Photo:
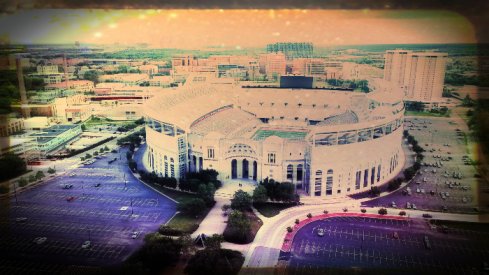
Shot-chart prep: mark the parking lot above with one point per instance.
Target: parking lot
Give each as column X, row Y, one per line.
column 446, row 180
column 99, row 202
column 365, row 243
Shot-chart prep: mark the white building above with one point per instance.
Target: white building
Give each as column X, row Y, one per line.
column 327, row 143
column 426, row 76
column 420, row 74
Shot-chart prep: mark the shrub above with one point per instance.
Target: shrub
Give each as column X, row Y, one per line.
column 51, row 170
column 215, row 261
column 193, row 207
column 95, row 153
column 382, row 211
column 22, row 182
column 289, row 229
column 363, row 210
column 309, row 215
column 238, row 229
column 39, row 175
column 4, row 189
column 32, row 178
column 325, row 212
column 402, row 213
column 241, row 200
column 297, row 221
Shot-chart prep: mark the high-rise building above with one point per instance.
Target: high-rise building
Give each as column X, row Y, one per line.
column 425, row 76
column 395, row 66
column 420, row 74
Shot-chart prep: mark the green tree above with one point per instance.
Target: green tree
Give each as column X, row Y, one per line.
column 214, row 242
column 206, row 192
column 260, row 194
column 51, row 170
column 92, row 75
column 241, row 200
column 32, row 178
column 11, row 166
column 193, row 207
column 22, row 182
column 40, row 175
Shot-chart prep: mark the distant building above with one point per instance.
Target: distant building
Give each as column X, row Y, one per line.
column 22, row 147
column 273, row 63
column 54, row 137
column 308, row 67
column 161, row 81
column 148, row 69
column 128, row 79
column 77, row 85
column 426, row 76
column 9, row 126
column 396, row 63
column 292, row 50
column 420, row 74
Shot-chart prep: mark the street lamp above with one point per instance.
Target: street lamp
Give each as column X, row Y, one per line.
column 15, row 193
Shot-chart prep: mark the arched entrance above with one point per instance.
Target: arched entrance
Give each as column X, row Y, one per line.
column 234, row 169
column 255, row 167
column 246, row 169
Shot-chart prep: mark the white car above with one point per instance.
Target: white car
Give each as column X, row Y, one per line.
column 320, row 232
column 135, row 234
column 40, row 240
column 86, row 244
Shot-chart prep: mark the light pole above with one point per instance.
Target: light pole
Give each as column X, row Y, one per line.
column 15, row 194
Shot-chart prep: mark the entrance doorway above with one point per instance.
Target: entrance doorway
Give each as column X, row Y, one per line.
column 246, row 173
column 234, row 169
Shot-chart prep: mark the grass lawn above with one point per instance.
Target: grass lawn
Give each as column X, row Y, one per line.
column 183, row 222
column 426, row 114
column 103, row 121
column 271, row 209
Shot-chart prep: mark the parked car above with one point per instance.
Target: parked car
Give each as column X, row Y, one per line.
column 135, row 234
column 86, row 244
column 427, row 216
column 40, row 240
column 320, row 232
column 69, row 199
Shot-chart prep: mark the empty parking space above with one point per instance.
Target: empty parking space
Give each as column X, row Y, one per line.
column 101, row 203
column 366, row 243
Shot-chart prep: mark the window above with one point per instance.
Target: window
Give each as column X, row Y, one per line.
column 378, row 173
column 317, row 183
column 357, row 180
column 210, row 153
column 290, row 171
column 299, row 172
column 172, row 170
column 329, row 182
column 372, row 176
column 271, row 157
column 365, row 178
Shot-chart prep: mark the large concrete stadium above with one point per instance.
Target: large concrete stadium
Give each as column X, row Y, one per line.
column 328, row 143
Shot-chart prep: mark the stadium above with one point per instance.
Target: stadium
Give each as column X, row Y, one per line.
column 328, row 143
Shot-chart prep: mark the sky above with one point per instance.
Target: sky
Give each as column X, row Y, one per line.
column 193, row 29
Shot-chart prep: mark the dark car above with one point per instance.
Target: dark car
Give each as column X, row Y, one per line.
column 69, row 199
column 427, row 216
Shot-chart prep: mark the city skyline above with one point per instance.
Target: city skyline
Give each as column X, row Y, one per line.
column 191, row 29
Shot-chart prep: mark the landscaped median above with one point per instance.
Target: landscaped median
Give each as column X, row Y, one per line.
column 289, row 237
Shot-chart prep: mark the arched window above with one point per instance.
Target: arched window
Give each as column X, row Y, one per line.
column 299, row 172
column 290, row 171
column 317, row 183
column 329, row 182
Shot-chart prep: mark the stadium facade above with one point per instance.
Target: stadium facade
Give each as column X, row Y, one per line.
column 328, row 143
